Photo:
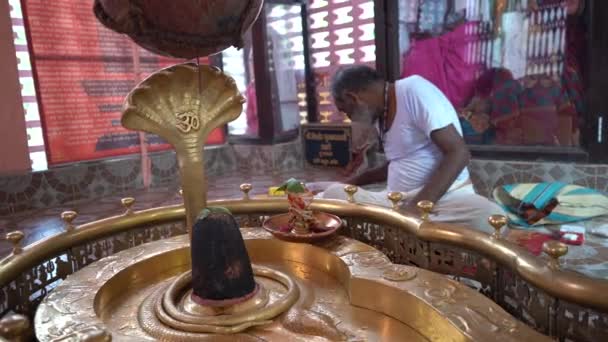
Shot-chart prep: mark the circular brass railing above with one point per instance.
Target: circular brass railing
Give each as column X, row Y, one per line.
column 562, row 284
column 546, row 276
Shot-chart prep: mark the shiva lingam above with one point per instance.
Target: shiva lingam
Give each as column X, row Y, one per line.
column 223, row 293
column 301, row 223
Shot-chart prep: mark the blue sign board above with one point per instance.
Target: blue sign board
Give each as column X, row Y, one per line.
column 327, row 144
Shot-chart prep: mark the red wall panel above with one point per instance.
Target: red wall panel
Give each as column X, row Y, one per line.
column 83, row 73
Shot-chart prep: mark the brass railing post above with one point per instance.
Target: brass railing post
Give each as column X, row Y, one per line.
column 68, row 218
column 425, row 207
column 128, row 203
column 351, row 190
column 395, row 198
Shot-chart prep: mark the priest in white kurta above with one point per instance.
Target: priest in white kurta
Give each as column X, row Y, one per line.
column 426, row 155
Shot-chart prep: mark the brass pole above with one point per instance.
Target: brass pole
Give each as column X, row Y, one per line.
column 194, row 186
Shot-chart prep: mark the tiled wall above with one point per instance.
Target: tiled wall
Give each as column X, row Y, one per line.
column 98, row 179
column 102, row 178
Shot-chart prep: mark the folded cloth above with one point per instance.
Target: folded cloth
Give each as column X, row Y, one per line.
column 525, row 211
column 570, row 203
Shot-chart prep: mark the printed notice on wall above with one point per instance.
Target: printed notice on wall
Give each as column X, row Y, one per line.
column 327, row 144
column 83, row 73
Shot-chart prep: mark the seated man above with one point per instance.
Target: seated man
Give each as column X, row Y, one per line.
column 422, row 138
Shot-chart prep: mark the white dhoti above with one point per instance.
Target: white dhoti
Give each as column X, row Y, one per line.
column 459, row 205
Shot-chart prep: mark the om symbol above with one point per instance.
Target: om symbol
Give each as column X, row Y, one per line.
column 188, row 121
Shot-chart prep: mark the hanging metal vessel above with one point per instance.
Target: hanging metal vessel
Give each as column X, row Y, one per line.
column 180, row 28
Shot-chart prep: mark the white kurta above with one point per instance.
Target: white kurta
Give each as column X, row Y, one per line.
column 413, row 156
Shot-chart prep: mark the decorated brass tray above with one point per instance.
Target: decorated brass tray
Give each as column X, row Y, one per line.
column 326, row 225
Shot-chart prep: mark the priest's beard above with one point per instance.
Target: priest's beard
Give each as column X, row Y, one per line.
column 366, row 115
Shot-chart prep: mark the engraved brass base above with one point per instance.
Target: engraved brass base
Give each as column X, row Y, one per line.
column 347, row 291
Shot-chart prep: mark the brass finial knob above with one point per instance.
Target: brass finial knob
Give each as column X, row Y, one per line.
column 68, row 217
column 497, row 222
column 15, row 238
column 555, row 250
column 351, row 190
column 425, row 207
column 128, row 204
column 15, row 327
column 395, row 198
column 246, row 189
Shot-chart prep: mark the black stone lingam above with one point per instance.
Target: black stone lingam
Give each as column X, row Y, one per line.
column 221, row 269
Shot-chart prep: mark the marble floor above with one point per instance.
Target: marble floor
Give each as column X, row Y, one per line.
column 591, row 258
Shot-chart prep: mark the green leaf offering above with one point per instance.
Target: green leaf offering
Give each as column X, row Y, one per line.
column 293, row 185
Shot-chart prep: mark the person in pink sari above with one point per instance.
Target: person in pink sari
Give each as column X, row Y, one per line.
column 442, row 60
column 531, row 111
column 493, row 116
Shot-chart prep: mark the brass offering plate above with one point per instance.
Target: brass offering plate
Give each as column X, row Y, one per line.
column 330, row 223
column 348, row 291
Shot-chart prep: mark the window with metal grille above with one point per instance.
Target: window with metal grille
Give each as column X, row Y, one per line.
column 341, row 33
column 513, row 70
column 35, row 138
column 277, row 105
column 233, row 60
